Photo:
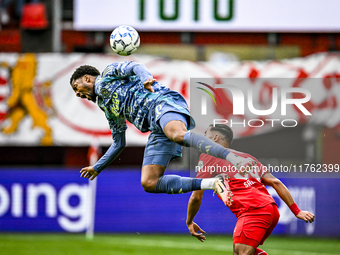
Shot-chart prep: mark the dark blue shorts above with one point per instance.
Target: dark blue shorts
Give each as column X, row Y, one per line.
column 160, row 149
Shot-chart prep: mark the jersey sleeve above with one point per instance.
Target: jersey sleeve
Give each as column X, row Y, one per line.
column 117, row 124
column 142, row 72
column 112, row 153
column 262, row 169
column 259, row 170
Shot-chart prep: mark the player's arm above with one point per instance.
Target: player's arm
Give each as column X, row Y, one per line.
column 283, row 192
column 121, row 70
column 111, row 154
column 144, row 75
column 193, row 207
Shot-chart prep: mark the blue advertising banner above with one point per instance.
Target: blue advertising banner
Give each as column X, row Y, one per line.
column 57, row 200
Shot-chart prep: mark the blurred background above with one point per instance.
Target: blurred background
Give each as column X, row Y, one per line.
column 48, row 135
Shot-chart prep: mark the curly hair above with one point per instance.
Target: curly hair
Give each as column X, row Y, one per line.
column 224, row 130
column 82, row 70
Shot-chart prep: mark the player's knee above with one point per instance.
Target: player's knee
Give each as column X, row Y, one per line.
column 178, row 137
column 148, row 185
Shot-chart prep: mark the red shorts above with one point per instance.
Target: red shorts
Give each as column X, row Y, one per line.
column 254, row 226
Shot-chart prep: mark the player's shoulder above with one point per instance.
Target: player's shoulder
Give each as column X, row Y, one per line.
column 101, row 86
column 211, row 160
column 98, row 84
column 204, row 156
column 243, row 154
column 260, row 169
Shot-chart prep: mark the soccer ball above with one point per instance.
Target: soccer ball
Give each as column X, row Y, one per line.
column 124, row 40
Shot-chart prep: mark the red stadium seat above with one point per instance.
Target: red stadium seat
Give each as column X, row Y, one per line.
column 34, row 16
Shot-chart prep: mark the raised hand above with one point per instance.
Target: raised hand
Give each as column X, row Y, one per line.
column 88, row 173
column 148, row 84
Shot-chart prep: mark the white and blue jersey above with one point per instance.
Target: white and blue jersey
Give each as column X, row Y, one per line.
column 121, row 95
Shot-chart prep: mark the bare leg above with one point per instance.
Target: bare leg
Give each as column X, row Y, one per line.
column 154, row 181
column 150, row 176
column 175, row 131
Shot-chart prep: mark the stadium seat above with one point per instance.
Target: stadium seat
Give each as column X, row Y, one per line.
column 34, row 16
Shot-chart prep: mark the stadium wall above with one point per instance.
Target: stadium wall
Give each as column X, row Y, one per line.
column 56, row 200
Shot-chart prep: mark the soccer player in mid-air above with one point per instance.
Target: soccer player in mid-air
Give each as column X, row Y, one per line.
column 256, row 211
column 127, row 91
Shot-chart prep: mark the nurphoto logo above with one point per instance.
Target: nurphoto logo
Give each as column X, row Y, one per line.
column 246, row 103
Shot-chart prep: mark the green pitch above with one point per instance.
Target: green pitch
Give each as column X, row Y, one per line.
column 143, row 244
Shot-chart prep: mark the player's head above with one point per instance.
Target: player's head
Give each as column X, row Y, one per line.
column 220, row 133
column 83, row 80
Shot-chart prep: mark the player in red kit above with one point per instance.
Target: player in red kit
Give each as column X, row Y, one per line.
column 256, row 211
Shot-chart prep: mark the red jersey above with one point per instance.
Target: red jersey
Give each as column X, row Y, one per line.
column 248, row 190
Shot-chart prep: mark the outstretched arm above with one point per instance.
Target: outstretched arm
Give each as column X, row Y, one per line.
column 111, row 154
column 120, row 70
column 269, row 180
column 144, row 75
column 193, row 207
